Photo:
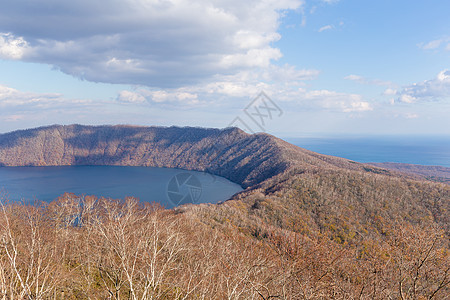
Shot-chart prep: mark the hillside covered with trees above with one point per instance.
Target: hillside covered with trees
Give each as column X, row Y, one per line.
column 307, row 226
column 434, row 173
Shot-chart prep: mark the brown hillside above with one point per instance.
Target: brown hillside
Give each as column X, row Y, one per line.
column 307, row 226
column 243, row 158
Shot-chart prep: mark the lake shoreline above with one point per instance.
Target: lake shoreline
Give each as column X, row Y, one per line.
column 168, row 186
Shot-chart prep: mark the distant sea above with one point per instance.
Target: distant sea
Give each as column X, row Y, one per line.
column 423, row 150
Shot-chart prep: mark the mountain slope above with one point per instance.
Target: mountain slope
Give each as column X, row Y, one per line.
column 307, row 226
column 240, row 157
column 326, row 185
column 434, row 173
column 220, row 152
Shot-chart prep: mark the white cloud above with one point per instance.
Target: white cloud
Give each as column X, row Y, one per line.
column 354, row 78
column 363, row 80
column 12, row 47
column 434, row 89
column 435, row 44
column 276, row 79
column 432, row 45
column 175, row 97
column 286, row 73
column 407, row 98
column 390, row 92
column 335, row 101
column 152, row 43
column 281, row 82
column 178, row 96
column 326, row 27
column 250, row 59
column 357, row 106
column 444, row 76
column 130, row 97
column 12, row 98
column 22, row 109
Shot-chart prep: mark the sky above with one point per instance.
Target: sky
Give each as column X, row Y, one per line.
column 291, row 68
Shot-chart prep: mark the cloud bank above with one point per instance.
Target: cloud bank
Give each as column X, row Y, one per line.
column 434, row 89
column 281, row 83
column 157, row 43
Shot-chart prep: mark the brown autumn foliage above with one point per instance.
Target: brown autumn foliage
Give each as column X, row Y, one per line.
column 308, row 226
column 247, row 159
column 89, row 248
column 434, row 173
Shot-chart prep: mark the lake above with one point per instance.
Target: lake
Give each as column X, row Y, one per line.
column 169, row 187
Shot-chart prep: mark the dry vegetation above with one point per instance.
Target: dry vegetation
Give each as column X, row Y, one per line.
column 88, row 248
column 317, row 228
column 434, row 173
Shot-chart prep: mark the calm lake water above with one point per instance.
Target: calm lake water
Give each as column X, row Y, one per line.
column 170, row 187
column 419, row 150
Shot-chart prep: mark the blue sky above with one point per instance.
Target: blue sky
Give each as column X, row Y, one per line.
column 328, row 66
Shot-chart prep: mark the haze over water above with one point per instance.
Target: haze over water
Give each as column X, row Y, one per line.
column 422, row 150
column 169, row 187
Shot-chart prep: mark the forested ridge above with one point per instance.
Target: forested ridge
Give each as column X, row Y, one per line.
column 307, row 226
column 434, row 173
